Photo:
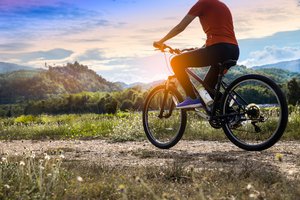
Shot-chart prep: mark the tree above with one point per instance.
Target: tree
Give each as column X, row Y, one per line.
column 126, row 105
column 138, row 103
column 9, row 113
column 111, row 107
column 293, row 94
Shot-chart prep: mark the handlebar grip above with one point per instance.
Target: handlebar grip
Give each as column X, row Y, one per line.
column 156, row 46
column 160, row 47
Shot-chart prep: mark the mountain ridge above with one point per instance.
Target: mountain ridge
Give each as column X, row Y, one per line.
column 6, row 67
column 292, row 65
column 69, row 79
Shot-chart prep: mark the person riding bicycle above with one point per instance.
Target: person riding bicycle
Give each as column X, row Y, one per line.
column 221, row 45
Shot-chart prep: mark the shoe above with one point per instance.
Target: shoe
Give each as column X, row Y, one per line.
column 189, row 103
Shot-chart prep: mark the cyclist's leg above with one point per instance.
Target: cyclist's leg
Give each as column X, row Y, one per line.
column 221, row 53
column 200, row 58
column 179, row 63
column 211, row 77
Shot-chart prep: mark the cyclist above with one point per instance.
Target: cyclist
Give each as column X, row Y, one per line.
column 221, row 45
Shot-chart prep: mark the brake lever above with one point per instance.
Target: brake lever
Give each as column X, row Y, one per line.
column 161, row 50
column 177, row 51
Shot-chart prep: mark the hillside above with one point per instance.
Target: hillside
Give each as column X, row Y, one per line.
column 10, row 67
column 293, row 66
column 143, row 86
column 278, row 75
column 72, row 78
column 75, row 78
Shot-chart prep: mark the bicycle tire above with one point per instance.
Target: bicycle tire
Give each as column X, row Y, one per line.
column 183, row 118
column 283, row 114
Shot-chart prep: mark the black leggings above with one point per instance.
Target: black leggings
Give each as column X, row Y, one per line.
column 208, row 56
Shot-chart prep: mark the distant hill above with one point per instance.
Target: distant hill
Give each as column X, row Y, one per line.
column 278, row 75
column 144, row 86
column 10, row 67
column 72, row 78
column 293, row 66
column 75, row 78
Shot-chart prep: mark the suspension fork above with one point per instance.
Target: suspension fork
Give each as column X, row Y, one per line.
column 166, row 92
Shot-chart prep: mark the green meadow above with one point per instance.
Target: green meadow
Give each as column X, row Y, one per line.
column 123, row 126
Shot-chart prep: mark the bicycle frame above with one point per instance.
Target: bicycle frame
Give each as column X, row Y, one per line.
column 210, row 112
column 216, row 92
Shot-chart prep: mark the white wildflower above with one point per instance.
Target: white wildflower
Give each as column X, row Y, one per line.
column 6, row 186
column 79, row 178
column 254, row 196
column 291, row 172
column 249, row 186
column 22, row 163
column 47, row 157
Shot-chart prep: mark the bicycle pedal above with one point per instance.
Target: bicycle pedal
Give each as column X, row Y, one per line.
column 202, row 113
column 188, row 109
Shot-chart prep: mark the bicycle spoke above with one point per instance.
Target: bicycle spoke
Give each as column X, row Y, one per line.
column 164, row 124
column 259, row 115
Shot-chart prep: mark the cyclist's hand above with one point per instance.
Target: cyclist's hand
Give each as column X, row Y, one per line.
column 158, row 45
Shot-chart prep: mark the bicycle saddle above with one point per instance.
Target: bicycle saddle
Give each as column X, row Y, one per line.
column 229, row 63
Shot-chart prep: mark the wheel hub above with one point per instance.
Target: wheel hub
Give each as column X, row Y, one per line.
column 253, row 111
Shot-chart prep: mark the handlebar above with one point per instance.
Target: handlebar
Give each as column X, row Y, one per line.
column 166, row 48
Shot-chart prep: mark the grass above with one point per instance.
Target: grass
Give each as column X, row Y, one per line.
column 87, row 126
column 120, row 127
column 52, row 177
column 31, row 177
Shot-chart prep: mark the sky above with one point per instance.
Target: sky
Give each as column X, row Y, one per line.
column 114, row 37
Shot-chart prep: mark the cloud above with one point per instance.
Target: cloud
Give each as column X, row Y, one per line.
column 42, row 13
column 135, row 69
column 261, row 18
column 91, row 54
column 12, row 4
column 37, row 20
column 53, row 54
column 280, row 39
column 16, row 46
column 271, row 54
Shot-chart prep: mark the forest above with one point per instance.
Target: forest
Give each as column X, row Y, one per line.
column 75, row 88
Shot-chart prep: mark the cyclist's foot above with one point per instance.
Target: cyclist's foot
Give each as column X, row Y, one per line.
column 189, row 103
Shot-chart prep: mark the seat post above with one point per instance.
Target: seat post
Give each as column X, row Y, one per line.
column 220, row 77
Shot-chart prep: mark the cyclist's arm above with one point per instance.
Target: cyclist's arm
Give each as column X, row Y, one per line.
column 179, row 28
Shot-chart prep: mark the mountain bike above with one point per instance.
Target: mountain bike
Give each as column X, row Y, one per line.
column 252, row 110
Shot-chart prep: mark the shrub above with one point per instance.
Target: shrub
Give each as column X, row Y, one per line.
column 126, row 105
column 27, row 119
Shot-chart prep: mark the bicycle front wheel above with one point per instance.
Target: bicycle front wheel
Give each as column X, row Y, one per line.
column 164, row 125
column 256, row 112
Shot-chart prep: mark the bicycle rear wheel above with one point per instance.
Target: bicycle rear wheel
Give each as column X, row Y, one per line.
column 164, row 125
column 256, row 112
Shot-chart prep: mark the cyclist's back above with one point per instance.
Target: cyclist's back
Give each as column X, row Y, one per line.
column 216, row 21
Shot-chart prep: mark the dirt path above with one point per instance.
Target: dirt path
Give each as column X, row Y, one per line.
column 196, row 154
